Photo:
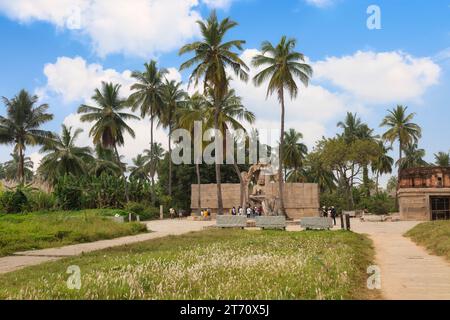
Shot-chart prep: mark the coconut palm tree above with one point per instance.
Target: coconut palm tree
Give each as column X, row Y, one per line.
column 139, row 169
column 442, row 159
column 147, row 97
column 174, row 98
column 352, row 126
column 317, row 172
column 109, row 120
column 401, row 128
column 294, row 155
column 12, row 166
column 21, row 126
column 104, row 162
column 213, row 56
column 383, row 164
column 154, row 157
column 232, row 116
column 283, row 66
column 413, row 157
column 63, row 156
column 188, row 116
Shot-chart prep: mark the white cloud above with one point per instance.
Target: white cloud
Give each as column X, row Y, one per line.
column 443, row 55
column 143, row 28
column 310, row 113
column 36, row 158
column 376, row 78
column 320, row 3
column 73, row 80
column 218, row 4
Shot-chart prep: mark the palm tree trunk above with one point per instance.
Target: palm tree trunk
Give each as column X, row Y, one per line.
column 400, row 155
column 366, row 180
column 241, row 182
column 377, row 182
column 170, row 162
column 280, row 160
column 217, row 143
column 152, row 194
column 199, row 183
column 123, row 173
column 21, row 172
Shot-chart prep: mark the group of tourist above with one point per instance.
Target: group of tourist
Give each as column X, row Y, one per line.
column 329, row 212
column 250, row 211
column 206, row 213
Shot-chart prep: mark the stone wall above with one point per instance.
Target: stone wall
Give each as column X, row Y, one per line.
column 415, row 204
column 301, row 199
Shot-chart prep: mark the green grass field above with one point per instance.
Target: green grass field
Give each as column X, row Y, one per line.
column 435, row 236
column 19, row 232
column 212, row 264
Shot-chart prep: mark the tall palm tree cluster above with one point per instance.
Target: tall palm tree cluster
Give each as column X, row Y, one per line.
column 213, row 64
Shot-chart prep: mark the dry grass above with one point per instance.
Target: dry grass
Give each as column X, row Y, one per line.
column 214, row 264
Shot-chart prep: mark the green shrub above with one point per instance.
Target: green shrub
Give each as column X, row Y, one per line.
column 68, row 193
column 145, row 211
column 13, row 201
column 380, row 204
column 41, row 201
column 135, row 207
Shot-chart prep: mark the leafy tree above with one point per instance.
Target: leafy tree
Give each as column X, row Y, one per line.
column 109, row 119
column 283, row 65
column 63, row 156
column 21, row 126
column 355, row 129
column 212, row 57
column 347, row 160
column 442, row 159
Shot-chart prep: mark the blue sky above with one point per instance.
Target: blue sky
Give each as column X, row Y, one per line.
column 63, row 49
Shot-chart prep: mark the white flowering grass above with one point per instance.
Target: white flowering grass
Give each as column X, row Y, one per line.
column 214, row 264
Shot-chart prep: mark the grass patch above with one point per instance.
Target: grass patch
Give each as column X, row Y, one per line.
column 40, row 230
column 435, row 236
column 212, row 264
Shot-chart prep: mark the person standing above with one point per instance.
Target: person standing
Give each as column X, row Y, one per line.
column 233, row 211
column 333, row 214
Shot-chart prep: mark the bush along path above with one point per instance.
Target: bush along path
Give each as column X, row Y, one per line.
column 158, row 229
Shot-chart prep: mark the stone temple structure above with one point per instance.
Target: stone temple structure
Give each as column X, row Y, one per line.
column 424, row 194
column 261, row 189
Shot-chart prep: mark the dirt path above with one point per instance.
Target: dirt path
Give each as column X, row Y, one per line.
column 409, row 272
column 160, row 229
